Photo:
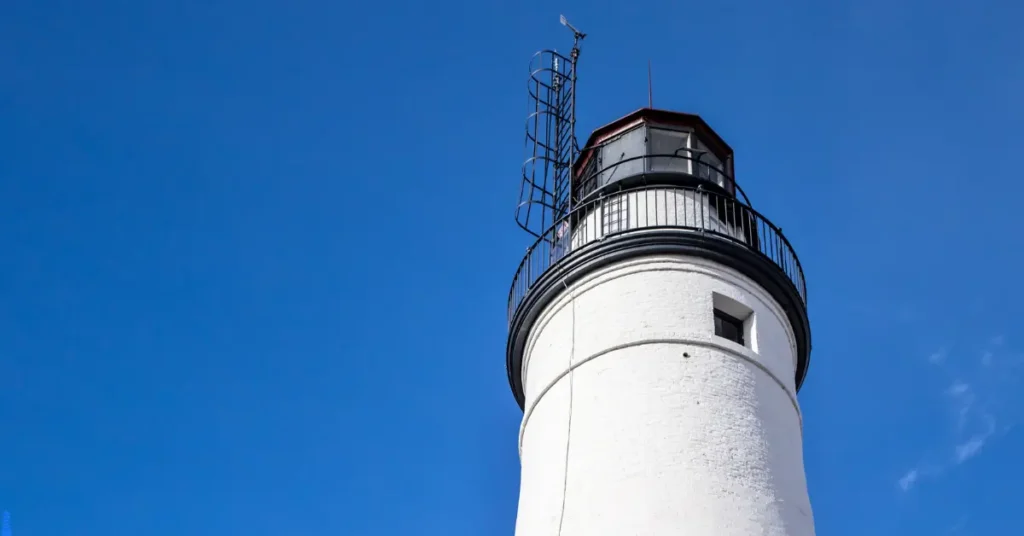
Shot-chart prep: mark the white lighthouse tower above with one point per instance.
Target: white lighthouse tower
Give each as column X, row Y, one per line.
column 658, row 333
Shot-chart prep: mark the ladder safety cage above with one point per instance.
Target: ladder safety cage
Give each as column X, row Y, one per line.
column 551, row 144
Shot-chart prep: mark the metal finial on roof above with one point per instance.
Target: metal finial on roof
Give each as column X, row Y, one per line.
column 650, row 87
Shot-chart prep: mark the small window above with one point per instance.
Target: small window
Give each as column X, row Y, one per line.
column 734, row 321
column 729, row 327
column 615, row 218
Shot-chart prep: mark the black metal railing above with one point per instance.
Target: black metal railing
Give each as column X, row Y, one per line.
column 643, row 208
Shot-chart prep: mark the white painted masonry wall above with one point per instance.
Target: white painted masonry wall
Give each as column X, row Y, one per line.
column 674, row 431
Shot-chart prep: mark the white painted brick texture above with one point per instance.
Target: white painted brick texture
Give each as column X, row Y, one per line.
column 661, row 444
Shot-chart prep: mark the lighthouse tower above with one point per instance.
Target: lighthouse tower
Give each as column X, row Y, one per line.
column 658, row 333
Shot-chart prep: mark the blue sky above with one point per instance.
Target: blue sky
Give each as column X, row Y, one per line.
column 255, row 256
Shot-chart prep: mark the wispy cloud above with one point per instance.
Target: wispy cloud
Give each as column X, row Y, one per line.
column 908, row 480
column 959, row 526
column 967, row 450
column 963, row 399
column 958, row 388
column 971, row 447
column 974, row 391
column 917, row 473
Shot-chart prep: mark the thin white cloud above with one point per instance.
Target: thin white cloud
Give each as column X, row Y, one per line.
column 908, row 480
column 974, row 391
column 966, row 451
column 959, row 388
column 963, row 401
column 970, row 448
column 959, row 526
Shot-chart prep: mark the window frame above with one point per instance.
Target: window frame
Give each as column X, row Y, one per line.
column 615, row 214
column 656, row 164
column 721, row 318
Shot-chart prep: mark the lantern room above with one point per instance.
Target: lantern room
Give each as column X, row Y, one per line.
column 652, row 146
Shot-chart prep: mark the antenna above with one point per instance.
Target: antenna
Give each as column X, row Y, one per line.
column 576, row 34
column 650, row 87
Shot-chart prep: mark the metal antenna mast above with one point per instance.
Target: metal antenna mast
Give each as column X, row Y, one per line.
column 650, row 87
column 574, row 148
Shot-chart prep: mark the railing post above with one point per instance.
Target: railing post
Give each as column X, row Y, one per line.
column 702, row 199
column 529, row 259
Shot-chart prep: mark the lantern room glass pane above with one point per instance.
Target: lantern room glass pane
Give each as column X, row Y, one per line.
column 708, row 166
column 669, row 142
